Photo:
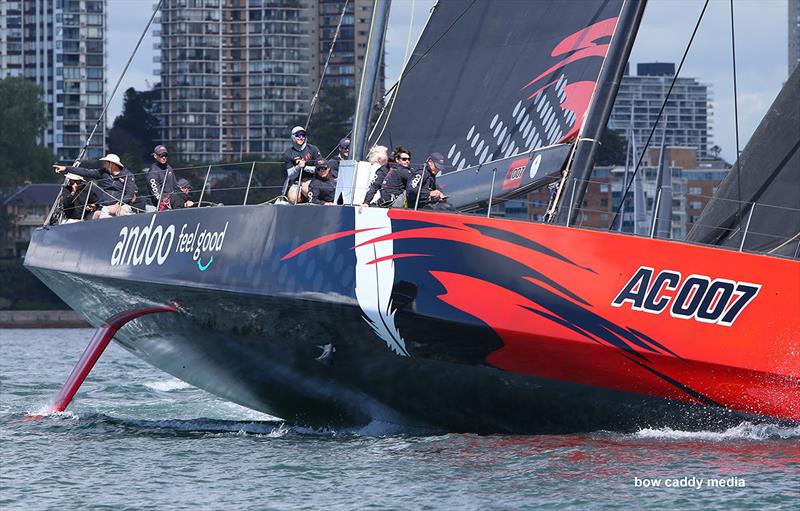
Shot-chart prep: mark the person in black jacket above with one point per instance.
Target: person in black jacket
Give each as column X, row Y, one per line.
column 344, row 154
column 322, row 189
column 299, row 155
column 180, row 198
column 396, row 180
column 116, row 185
column 422, row 191
column 78, row 200
column 379, row 158
column 161, row 179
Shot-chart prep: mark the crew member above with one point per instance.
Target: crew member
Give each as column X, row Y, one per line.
column 344, row 154
column 379, row 158
column 117, row 187
column 422, row 190
column 322, row 189
column 77, row 200
column 299, row 154
column 161, row 179
column 396, row 180
column 180, row 198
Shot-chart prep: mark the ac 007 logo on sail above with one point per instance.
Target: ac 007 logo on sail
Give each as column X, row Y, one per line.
column 697, row 297
column 151, row 244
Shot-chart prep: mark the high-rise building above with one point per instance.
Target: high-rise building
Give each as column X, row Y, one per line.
column 347, row 60
column 687, row 117
column 235, row 75
column 794, row 34
column 60, row 45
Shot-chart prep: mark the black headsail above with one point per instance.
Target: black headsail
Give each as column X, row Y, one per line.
column 489, row 80
column 768, row 175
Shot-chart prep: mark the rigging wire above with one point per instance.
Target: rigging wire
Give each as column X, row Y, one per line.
column 399, row 78
column 119, row 81
column 736, row 123
column 327, row 61
column 658, row 117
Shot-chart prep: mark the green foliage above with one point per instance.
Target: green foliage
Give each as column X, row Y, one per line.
column 22, row 118
column 21, row 290
column 612, row 149
column 134, row 133
column 332, row 120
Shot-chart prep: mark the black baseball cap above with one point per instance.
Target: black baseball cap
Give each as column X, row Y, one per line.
column 438, row 160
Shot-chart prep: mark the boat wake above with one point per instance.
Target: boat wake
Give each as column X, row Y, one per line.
column 743, row 431
column 168, row 385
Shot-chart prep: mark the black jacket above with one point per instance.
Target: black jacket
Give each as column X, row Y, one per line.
column 73, row 204
column 322, row 190
column 161, row 176
column 334, row 163
column 307, row 152
column 178, row 199
column 376, row 182
column 424, row 181
column 111, row 187
column 394, row 184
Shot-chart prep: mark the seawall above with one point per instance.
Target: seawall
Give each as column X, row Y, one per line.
column 42, row 319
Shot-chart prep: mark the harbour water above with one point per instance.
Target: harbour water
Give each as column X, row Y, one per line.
column 137, row 438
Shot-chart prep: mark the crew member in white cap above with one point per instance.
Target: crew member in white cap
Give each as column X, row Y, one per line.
column 116, row 184
column 296, row 157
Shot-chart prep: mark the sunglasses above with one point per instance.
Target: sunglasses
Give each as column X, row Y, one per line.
column 406, row 158
column 162, row 155
column 299, row 135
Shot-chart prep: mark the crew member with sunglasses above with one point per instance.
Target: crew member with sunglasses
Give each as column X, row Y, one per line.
column 396, row 180
column 299, row 154
column 161, row 179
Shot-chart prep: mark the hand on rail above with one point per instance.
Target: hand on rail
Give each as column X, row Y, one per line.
column 361, row 208
column 59, row 168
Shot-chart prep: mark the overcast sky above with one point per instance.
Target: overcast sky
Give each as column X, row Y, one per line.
column 761, row 51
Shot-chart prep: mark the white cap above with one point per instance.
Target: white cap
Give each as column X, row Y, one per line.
column 297, row 128
column 113, row 158
column 73, row 177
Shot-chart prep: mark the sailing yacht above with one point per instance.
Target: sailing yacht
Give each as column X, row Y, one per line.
column 347, row 316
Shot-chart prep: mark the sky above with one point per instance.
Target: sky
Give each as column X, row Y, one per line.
column 761, row 52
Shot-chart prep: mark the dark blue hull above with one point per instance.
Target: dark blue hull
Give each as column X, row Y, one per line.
column 255, row 315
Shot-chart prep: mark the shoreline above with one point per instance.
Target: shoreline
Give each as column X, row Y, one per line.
column 42, row 319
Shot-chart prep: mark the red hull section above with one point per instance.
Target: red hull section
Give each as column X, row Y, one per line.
column 660, row 318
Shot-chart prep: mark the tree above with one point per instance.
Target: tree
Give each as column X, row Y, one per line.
column 332, row 120
column 135, row 131
column 22, row 119
column 612, row 149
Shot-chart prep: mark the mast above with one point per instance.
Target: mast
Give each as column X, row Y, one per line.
column 369, row 77
column 630, row 17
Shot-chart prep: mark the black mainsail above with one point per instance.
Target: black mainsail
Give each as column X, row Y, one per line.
column 493, row 80
column 761, row 194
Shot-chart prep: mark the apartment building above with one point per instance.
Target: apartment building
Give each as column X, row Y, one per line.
column 61, row 46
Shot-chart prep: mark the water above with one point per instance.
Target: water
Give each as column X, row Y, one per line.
column 137, row 438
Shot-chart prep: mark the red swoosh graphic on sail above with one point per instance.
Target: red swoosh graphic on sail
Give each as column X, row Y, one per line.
column 577, row 95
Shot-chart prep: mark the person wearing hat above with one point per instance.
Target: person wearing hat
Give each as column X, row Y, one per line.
column 422, row 191
column 116, row 186
column 344, row 154
column 322, row 189
column 299, row 155
column 161, row 179
column 77, row 199
column 180, row 198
